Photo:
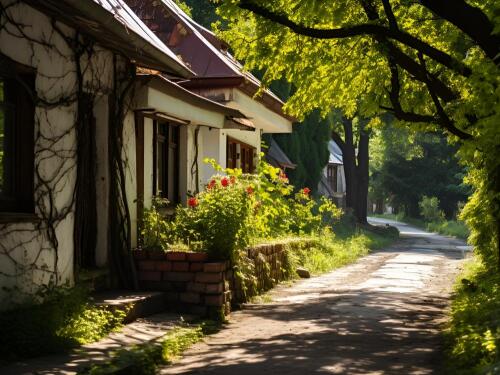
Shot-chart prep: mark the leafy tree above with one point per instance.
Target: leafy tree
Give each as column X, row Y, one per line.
column 433, row 64
column 202, row 11
column 415, row 165
column 306, row 146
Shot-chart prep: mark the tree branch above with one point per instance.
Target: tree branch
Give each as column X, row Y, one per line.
column 359, row 30
column 338, row 140
column 402, row 59
column 444, row 120
column 471, row 20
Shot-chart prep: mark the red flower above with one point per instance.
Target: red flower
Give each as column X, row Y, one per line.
column 233, row 179
column 282, row 176
column 211, row 184
column 306, row 191
column 249, row 190
column 224, row 182
column 193, row 202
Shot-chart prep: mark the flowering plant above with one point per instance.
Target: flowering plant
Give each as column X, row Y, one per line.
column 217, row 218
column 192, row 202
column 237, row 208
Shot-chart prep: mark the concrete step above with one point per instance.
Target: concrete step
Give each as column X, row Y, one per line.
column 142, row 331
column 142, row 304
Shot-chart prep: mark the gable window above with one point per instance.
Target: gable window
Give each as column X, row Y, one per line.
column 166, row 161
column 240, row 155
column 17, row 113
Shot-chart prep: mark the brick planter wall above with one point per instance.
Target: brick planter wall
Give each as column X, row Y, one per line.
column 193, row 284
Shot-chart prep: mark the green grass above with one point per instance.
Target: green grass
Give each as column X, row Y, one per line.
column 147, row 358
column 473, row 335
column 345, row 246
column 66, row 319
column 452, row 228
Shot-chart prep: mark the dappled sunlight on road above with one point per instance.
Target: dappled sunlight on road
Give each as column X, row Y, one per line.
column 381, row 315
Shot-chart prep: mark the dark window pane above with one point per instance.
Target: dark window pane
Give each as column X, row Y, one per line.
column 16, row 139
column 2, row 141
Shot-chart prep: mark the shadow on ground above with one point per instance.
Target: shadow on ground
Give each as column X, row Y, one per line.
column 382, row 315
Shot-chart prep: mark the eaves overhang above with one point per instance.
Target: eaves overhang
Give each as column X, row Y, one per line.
column 112, row 31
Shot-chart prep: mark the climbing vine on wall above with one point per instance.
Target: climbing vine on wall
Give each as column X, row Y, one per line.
column 72, row 73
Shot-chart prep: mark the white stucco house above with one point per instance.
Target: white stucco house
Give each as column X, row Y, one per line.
column 219, row 77
column 97, row 116
column 332, row 183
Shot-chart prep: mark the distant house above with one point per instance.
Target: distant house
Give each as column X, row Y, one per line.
column 97, row 116
column 275, row 156
column 332, row 183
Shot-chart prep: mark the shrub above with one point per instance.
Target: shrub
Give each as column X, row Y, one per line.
column 157, row 232
column 429, row 209
column 217, row 218
column 236, row 209
column 473, row 335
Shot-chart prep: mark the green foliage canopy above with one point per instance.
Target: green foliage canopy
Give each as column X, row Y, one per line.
column 408, row 166
column 433, row 65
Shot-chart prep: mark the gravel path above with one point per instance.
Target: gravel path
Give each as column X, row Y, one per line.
column 381, row 315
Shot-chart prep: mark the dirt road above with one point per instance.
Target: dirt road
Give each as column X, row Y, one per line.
column 381, row 315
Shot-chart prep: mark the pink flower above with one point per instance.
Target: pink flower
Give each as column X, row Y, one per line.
column 306, row 191
column 192, row 202
column 211, row 184
column 225, row 182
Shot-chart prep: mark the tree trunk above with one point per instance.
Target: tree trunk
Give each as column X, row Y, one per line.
column 362, row 175
column 356, row 171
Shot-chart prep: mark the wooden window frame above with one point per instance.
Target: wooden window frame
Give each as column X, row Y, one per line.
column 172, row 141
column 18, row 195
column 245, row 155
column 332, row 176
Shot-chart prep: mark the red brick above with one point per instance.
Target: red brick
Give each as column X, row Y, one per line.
column 171, row 296
column 214, row 300
column 208, row 277
column 180, row 266
column 140, row 254
column 197, row 257
column 150, row 275
column 164, row 265
column 147, row 265
column 190, row 297
column 156, row 285
column 198, row 310
column 214, row 267
column 157, row 255
column 195, row 267
column 214, row 288
column 176, row 255
column 178, row 276
column 196, row 287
